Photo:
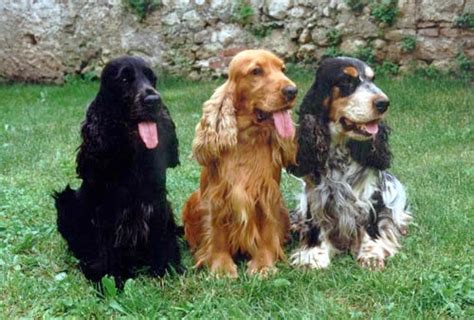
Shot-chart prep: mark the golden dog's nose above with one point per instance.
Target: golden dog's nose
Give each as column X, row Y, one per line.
column 290, row 92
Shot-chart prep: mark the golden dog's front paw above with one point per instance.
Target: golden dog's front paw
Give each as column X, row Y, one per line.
column 262, row 270
column 223, row 266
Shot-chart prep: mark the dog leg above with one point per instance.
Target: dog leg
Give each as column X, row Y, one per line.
column 265, row 254
column 262, row 264
column 373, row 251
column 269, row 248
column 220, row 260
column 165, row 252
column 318, row 257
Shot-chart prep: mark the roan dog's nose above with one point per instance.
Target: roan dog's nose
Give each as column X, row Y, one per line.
column 289, row 92
column 381, row 105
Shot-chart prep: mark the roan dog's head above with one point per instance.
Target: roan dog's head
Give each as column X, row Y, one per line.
column 355, row 104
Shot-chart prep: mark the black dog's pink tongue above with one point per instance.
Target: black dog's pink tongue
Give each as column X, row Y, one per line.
column 284, row 124
column 148, row 133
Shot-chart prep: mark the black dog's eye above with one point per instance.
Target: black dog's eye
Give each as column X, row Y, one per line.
column 150, row 76
column 257, row 71
column 126, row 76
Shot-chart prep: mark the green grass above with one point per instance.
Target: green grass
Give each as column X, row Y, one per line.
column 431, row 278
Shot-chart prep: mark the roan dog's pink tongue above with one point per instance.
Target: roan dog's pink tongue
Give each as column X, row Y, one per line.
column 149, row 134
column 284, row 124
column 372, row 128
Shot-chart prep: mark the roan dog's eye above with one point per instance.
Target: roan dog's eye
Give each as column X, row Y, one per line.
column 348, row 81
column 257, row 71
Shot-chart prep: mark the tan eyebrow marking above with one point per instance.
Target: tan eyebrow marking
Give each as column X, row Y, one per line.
column 351, row 71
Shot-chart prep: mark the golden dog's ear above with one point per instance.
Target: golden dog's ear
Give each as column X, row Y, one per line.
column 217, row 130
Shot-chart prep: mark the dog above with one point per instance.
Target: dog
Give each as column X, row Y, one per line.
column 119, row 220
column 243, row 140
column 350, row 201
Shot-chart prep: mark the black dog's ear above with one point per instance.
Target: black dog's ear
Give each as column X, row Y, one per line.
column 97, row 150
column 373, row 153
column 168, row 138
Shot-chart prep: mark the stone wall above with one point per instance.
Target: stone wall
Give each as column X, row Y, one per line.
column 43, row 40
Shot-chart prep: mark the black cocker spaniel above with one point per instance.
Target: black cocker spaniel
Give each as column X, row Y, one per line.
column 350, row 202
column 119, row 220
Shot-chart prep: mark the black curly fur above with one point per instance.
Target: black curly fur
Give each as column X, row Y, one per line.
column 119, row 220
column 374, row 153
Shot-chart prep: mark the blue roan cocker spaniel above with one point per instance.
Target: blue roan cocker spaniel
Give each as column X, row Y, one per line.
column 350, row 202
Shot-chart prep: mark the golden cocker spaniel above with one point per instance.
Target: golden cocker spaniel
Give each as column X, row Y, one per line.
column 243, row 140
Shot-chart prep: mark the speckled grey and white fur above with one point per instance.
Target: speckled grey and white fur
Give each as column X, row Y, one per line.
column 350, row 202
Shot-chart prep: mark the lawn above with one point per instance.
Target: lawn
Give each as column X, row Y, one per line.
column 433, row 277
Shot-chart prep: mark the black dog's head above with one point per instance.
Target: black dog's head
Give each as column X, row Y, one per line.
column 130, row 83
column 343, row 105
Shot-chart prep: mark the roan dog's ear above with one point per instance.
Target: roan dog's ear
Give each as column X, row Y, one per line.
column 217, row 130
column 313, row 131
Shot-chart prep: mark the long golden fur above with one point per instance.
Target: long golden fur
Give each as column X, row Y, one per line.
column 238, row 208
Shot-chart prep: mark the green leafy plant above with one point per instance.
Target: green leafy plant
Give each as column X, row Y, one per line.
column 259, row 30
column 387, row 68
column 143, row 8
column 384, row 10
column 243, row 13
column 332, row 52
column 408, row 44
column 110, row 289
column 465, row 66
column 365, row 53
column 430, row 72
column 334, row 37
column 465, row 21
column 84, row 77
column 464, row 63
column 356, row 5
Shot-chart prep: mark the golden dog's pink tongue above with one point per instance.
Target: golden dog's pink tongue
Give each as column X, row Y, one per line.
column 372, row 128
column 149, row 134
column 284, row 124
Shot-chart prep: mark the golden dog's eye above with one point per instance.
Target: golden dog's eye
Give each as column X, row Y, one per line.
column 283, row 69
column 257, row 71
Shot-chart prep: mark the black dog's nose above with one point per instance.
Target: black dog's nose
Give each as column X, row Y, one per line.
column 290, row 92
column 382, row 105
column 152, row 100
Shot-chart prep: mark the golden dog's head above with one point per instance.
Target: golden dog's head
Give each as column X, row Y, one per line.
column 256, row 95
column 261, row 91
